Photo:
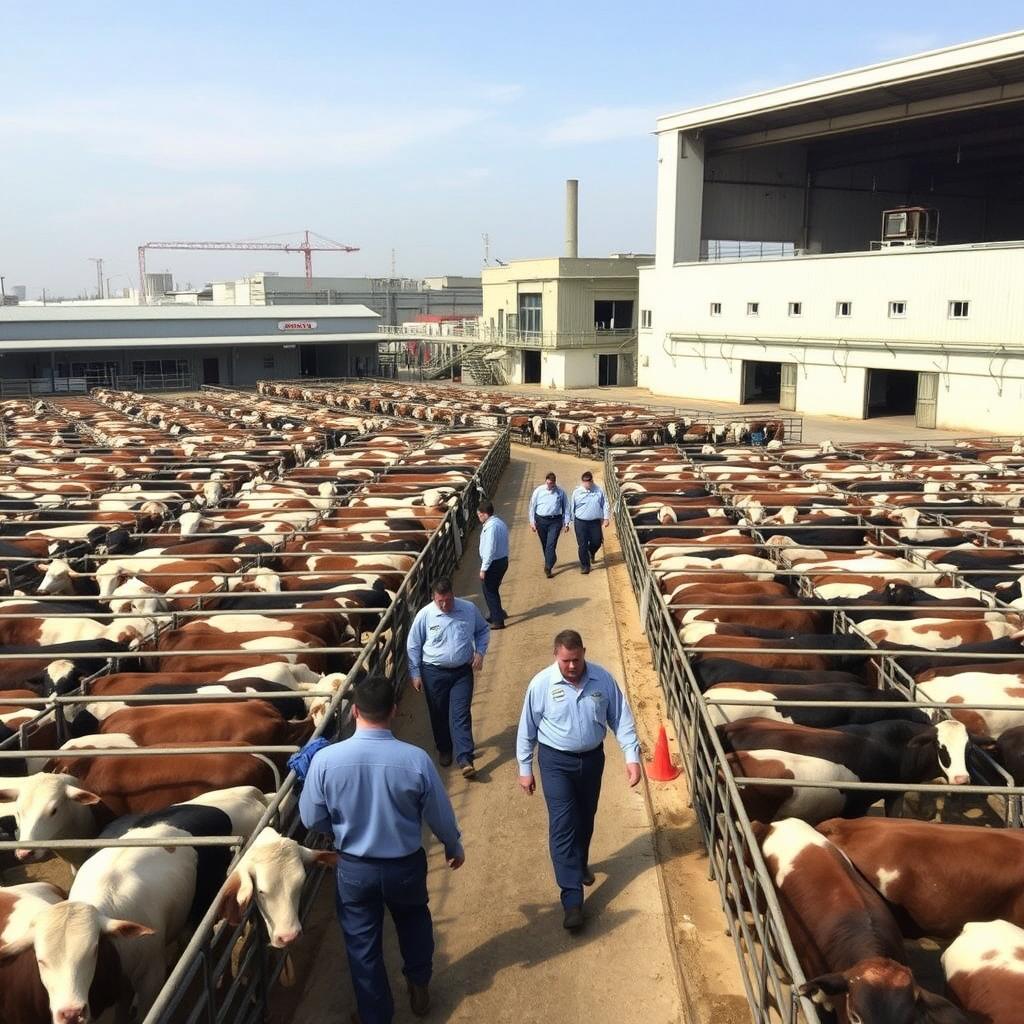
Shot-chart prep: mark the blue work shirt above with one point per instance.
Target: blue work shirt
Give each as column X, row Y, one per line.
column 493, row 542
column 448, row 639
column 549, row 503
column 589, row 505
column 574, row 718
column 373, row 792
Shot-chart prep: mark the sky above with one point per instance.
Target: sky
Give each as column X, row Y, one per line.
column 409, row 130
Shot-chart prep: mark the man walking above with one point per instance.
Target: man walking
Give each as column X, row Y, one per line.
column 493, row 562
column 589, row 509
column 568, row 707
column 549, row 512
column 447, row 643
column 372, row 793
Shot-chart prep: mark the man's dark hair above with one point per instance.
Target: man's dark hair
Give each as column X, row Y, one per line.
column 550, row 476
column 442, row 585
column 587, row 476
column 569, row 639
column 374, row 696
column 487, row 508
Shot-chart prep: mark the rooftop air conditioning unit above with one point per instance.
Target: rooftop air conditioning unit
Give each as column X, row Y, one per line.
column 909, row 226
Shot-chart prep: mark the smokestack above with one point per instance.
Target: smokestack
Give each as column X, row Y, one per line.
column 572, row 217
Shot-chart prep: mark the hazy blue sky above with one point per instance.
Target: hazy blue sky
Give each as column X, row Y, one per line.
column 413, row 127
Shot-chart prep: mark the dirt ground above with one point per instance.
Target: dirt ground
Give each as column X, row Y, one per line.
column 654, row 948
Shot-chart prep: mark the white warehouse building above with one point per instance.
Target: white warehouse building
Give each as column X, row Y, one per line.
column 777, row 279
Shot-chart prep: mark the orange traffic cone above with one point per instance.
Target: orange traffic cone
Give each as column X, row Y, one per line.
column 661, row 768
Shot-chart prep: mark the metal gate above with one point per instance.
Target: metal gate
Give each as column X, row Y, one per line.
column 787, row 387
column 926, row 408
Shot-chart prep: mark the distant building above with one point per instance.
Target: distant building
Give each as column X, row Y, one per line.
column 395, row 300
column 849, row 246
column 69, row 347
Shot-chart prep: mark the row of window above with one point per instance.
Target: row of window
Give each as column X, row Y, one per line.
column 958, row 309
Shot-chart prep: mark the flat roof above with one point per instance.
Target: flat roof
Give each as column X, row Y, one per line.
column 22, row 314
column 965, row 76
column 142, row 344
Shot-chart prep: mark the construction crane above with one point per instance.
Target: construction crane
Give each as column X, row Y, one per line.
column 305, row 247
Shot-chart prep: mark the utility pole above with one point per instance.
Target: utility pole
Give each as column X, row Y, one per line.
column 98, row 260
column 487, row 248
column 3, row 292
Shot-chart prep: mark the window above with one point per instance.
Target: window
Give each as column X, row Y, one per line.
column 959, row 309
column 716, row 309
column 796, row 309
column 645, row 318
column 844, row 308
column 530, row 321
column 897, row 309
column 613, row 314
column 753, row 308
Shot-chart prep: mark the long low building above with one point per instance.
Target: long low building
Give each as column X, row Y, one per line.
column 68, row 347
column 848, row 246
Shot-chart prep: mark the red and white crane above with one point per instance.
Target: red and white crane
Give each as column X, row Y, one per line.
column 305, row 247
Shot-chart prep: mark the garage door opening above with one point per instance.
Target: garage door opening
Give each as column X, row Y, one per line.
column 890, row 393
column 762, row 383
column 531, row 367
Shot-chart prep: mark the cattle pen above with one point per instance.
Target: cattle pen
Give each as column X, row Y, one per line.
column 225, row 971
column 893, row 504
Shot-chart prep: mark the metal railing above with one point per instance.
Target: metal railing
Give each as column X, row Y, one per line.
column 482, row 334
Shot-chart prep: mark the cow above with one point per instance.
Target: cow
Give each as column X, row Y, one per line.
column 886, row 752
column 844, row 935
column 984, row 968
column 940, row 877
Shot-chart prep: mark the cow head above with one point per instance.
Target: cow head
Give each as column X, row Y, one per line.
column 880, row 991
column 57, row 576
column 940, row 749
column 66, row 939
column 137, row 598
column 49, row 806
column 109, row 576
column 273, row 871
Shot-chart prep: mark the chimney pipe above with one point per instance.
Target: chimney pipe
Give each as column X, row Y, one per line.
column 572, row 217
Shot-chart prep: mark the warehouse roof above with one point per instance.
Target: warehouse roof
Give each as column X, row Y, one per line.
column 21, row 314
column 967, row 76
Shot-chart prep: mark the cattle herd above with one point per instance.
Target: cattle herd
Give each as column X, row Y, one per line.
column 579, row 425
column 840, row 633
column 187, row 588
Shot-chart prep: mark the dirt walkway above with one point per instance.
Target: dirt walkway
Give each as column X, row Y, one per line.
column 502, row 954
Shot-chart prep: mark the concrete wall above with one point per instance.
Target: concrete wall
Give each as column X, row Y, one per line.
column 690, row 353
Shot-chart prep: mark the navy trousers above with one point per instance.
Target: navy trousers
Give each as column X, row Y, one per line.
column 588, row 539
column 366, row 885
column 449, row 694
column 572, row 788
column 548, row 529
column 493, row 575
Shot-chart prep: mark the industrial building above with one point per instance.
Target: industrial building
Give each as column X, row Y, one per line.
column 394, row 299
column 850, row 246
column 67, row 348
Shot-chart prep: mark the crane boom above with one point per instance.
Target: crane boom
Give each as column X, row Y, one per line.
column 304, row 247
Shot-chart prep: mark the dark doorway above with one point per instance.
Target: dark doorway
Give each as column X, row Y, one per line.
column 307, row 360
column 762, row 383
column 531, row 367
column 211, row 370
column 890, row 393
column 607, row 371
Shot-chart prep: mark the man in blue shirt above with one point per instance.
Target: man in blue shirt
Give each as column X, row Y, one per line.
column 589, row 509
column 372, row 793
column 568, row 707
column 493, row 562
column 447, row 643
column 549, row 513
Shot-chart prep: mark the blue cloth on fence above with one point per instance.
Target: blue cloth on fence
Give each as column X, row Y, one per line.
column 300, row 760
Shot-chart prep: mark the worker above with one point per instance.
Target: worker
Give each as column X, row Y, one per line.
column 373, row 792
column 493, row 562
column 589, row 509
column 568, row 707
column 549, row 512
column 446, row 645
